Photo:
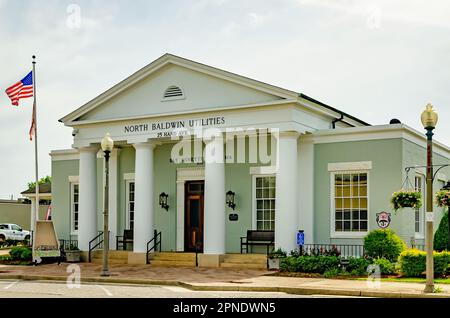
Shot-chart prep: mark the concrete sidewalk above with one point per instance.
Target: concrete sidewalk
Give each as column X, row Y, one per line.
column 223, row 280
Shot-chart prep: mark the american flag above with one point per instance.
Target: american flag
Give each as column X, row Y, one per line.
column 22, row 89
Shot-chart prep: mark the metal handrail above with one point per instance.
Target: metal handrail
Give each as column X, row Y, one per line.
column 155, row 242
column 91, row 248
column 66, row 244
column 344, row 250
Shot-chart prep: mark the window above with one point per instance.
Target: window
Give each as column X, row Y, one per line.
column 74, row 205
column 418, row 213
column 130, row 204
column 15, row 227
column 350, row 202
column 265, row 202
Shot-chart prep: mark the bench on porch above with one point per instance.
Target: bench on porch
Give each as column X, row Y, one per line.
column 121, row 241
column 257, row 238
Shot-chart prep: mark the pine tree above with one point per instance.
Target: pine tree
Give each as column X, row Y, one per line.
column 440, row 242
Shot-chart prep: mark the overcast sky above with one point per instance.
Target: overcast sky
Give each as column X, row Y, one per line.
column 373, row 59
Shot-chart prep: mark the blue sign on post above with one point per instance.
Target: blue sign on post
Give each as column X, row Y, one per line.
column 301, row 238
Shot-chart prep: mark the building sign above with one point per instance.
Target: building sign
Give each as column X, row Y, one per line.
column 300, row 238
column 166, row 128
column 383, row 219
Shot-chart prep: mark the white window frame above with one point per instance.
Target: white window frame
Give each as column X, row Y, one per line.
column 127, row 201
column 254, row 205
column 74, row 231
column 421, row 234
column 343, row 234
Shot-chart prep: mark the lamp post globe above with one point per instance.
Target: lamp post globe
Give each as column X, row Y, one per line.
column 107, row 145
column 429, row 117
column 429, row 120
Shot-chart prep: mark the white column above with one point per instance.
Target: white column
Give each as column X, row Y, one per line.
column 286, row 216
column 214, row 214
column 143, row 206
column 87, row 215
column 33, row 214
column 180, row 215
column 113, row 173
column 306, row 188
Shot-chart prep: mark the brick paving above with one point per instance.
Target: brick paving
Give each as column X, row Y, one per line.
column 146, row 272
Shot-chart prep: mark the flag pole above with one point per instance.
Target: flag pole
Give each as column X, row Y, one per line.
column 36, row 211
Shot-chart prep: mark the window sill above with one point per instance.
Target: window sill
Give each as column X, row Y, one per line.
column 419, row 236
column 74, row 233
column 349, row 235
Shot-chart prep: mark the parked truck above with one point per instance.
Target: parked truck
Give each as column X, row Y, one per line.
column 10, row 231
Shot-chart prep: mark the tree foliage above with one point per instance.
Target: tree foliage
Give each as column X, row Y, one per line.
column 441, row 236
column 32, row 185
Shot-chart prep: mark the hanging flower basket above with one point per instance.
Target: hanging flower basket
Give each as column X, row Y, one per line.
column 443, row 198
column 406, row 199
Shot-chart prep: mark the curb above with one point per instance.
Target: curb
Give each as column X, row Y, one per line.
column 194, row 287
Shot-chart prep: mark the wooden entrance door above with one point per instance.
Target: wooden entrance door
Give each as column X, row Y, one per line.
column 193, row 218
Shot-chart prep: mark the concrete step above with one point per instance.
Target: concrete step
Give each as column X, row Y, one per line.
column 172, row 263
column 250, row 261
column 173, row 256
column 242, row 265
column 110, row 261
column 112, row 254
column 245, row 258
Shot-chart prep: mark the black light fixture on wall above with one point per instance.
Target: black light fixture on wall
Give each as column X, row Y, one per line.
column 230, row 199
column 163, row 201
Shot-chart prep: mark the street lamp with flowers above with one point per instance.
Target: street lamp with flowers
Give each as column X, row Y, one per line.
column 429, row 120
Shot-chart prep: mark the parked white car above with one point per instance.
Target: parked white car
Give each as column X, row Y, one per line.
column 13, row 232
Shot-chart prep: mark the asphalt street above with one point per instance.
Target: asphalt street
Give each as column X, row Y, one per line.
column 38, row 289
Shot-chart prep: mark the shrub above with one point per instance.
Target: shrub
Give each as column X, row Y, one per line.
column 21, row 253
column 5, row 258
column 441, row 263
column 332, row 273
column 357, row 266
column 386, row 267
column 440, row 241
column 383, row 243
column 279, row 253
column 413, row 263
column 309, row 264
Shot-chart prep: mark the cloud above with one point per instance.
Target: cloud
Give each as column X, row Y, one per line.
column 321, row 48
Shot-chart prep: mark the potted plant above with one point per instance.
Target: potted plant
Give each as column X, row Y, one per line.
column 73, row 254
column 274, row 258
column 406, row 199
column 443, row 198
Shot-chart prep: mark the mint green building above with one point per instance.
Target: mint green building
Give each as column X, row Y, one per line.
column 195, row 133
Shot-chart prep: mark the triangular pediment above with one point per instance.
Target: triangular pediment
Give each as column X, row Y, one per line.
column 173, row 85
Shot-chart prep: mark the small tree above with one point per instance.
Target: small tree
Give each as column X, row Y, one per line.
column 440, row 241
column 32, row 185
column 383, row 243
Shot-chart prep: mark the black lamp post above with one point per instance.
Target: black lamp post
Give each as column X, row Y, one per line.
column 429, row 120
column 107, row 147
column 447, row 187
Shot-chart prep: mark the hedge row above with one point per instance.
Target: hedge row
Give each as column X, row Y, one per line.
column 412, row 263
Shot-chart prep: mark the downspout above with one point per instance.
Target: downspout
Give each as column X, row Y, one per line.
column 333, row 123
